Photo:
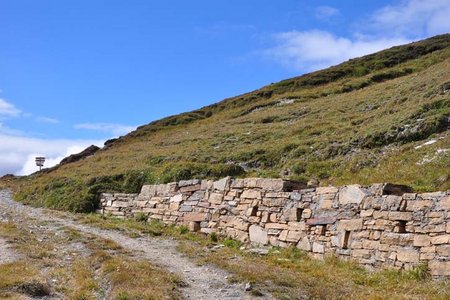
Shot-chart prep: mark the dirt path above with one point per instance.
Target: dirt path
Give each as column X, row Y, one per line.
column 203, row 282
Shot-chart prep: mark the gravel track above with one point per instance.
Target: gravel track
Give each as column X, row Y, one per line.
column 202, row 282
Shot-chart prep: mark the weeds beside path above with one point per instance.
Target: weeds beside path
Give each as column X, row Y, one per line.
column 69, row 260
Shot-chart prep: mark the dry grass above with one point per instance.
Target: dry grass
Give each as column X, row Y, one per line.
column 99, row 266
column 132, row 279
column 291, row 273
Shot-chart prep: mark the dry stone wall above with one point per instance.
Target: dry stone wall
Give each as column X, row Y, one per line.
column 379, row 225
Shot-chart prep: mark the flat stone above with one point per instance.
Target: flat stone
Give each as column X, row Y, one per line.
column 185, row 208
column 258, row 235
column 421, row 240
column 400, row 216
column 215, row 198
column 439, row 268
column 251, row 194
column 411, row 256
column 183, row 183
column 294, row 236
column 318, row 248
column 176, row 198
column 444, row 203
column 352, row 194
column 350, row 225
column 440, row 239
column 326, row 190
column 304, row 244
column 399, row 239
column 320, row 221
column 195, row 217
column 222, row 184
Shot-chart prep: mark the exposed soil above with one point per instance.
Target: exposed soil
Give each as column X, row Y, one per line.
column 202, row 282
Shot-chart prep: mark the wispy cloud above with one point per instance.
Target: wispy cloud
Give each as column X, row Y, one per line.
column 326, row 12
column 47, row 120
column 115, row 129
column 413, row 17
column 389, row 26
column 8, row 109
column 316, row 49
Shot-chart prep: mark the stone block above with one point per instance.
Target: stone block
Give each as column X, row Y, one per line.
column 119, row 204
column 240, row 224
column 318, row 248
column 184, row 183
column 439, row 268
column 206, row 185
column 222, row 184
column 297, row 226
column 444, row 203
column 185, row 208
column 268, row 184
column 176, row 198
column 418, row 205
column 443, row 250
column 352, row 194
column 326, row 204
column 321, row 221
column 392, row 203
column 304, row 244
column 271, row 202
column 174, row 206
column 283, row 235
column 215, row 198
column 307, row 213
column 195, row 217
column 408, row 255
column 237, row 183
column 327, row 190
column 399, row 239
column 237, row 234
column 400, row 216
column 294, row 236
column 432, row 196
column 422, row 240
column 251, row 194
column 197, row 196
column 440, row 239
column 190, row 188
column 276, row 226
column 366, row 213
column 350, row 225
column 258, row 235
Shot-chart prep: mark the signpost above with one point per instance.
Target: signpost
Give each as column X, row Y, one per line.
column 40, row 162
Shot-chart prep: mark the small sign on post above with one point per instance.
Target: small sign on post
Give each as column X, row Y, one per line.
column 40, row 162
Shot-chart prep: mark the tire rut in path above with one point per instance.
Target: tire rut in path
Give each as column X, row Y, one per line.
column 203, row 282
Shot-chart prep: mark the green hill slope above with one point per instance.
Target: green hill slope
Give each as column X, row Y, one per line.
column 363, row 121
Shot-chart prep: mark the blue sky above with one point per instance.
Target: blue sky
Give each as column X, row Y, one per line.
column 73, row 73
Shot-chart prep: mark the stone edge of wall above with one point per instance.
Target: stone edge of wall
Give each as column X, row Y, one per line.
column 382, row 225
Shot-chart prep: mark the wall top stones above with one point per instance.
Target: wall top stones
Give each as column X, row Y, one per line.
column 377, row 225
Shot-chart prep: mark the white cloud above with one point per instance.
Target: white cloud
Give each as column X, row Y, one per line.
column 8, row 109
column 17, row 153
column 389, row 26
column 413, row 17
column 316, row 49
column 326, row 12
column 47, row 120
column 115, row 129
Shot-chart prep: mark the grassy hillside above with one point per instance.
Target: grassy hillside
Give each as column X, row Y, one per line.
column 362, row 121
